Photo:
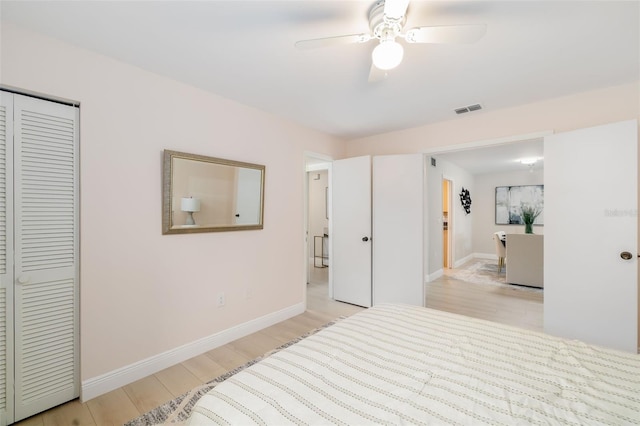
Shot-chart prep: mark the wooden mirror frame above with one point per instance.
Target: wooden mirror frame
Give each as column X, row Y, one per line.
column 204, row 190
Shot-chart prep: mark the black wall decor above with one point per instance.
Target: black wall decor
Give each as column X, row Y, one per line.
column 465, row 199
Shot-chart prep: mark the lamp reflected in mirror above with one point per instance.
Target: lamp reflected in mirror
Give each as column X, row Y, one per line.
column 227, row 195
column 190, row 206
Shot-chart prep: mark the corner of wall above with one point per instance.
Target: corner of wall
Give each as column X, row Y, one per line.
column 458, row 263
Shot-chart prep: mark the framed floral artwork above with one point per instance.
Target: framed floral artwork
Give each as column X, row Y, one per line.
column 510, row 201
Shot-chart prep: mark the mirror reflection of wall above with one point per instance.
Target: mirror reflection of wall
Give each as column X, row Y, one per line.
column 208, row 194
column 213, row 186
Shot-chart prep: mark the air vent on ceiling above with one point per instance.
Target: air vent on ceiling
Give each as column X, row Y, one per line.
column 469, row 108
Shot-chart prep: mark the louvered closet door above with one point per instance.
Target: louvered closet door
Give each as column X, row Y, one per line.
column 46, row 253
column 6, row 258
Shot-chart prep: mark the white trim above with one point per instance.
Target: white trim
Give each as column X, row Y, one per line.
column 451, row 222
column 38, row 95
column 490, row 256
column 318, row 167
column 325, row 164
column 458, row 263
column 115, row 379
column 488, row 142
column 434, row 276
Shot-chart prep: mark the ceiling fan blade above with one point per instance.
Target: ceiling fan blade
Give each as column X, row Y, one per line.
column 395, row 9
column 376, row 74
column 332, row 41
column 446, row 34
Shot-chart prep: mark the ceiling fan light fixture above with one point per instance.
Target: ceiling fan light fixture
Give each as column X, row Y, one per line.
column 387, row 55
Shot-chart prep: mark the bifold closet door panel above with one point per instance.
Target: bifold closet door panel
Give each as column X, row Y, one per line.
column 590, row 221
column 6, row 258
column 46, row 254
column 398, row 229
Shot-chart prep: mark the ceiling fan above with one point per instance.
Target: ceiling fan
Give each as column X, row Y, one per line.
column 386, row 21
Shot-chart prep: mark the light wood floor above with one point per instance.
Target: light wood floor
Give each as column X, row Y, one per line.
column 508, row 306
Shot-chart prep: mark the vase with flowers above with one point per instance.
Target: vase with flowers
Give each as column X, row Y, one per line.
column 529, row 215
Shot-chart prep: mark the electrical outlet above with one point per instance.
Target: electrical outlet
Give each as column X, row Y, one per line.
column 248, row 293
column 221, row 299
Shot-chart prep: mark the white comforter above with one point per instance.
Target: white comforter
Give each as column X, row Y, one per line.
column 408, row 365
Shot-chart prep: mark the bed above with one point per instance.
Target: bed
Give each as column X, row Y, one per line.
column 398, row 364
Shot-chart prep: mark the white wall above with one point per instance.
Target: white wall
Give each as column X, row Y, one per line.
column 142, row 293
column 483, row 208
column 585, row 109
column 460, row 223
column 606, row 105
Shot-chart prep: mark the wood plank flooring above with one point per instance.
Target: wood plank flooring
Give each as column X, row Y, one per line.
column 508, row 305
column 520, row 308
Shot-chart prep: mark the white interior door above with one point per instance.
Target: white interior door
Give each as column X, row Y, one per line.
column 248, row 201
column 398, row 226
column 591, row 207
column 351, row 230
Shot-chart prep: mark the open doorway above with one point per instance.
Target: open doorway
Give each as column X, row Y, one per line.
column 447, row 223
column 466, row 279
column 317, row 226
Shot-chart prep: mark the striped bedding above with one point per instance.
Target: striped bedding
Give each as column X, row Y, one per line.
column 397, row 364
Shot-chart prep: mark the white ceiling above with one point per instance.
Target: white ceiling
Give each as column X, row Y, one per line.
column 244, row 50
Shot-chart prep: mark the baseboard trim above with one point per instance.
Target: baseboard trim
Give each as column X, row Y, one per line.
column 115, row 379
column 488, row 256
column 460, row 262
column 434, row 276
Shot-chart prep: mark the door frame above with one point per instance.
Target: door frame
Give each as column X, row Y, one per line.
column 313, row 161
column 449, row 254
column 485, row 143
column 507, row 140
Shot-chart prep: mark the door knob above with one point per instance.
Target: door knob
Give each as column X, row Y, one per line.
column 365, row 239
column 626, row 255
column 23, row 279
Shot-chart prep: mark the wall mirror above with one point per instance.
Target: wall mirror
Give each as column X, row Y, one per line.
column 207, row 194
